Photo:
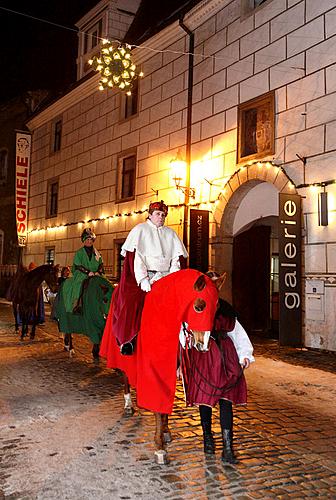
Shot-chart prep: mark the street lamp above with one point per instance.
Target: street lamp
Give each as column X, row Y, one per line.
column 179, row 169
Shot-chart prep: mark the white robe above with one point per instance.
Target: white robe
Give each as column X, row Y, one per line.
column 156, row 249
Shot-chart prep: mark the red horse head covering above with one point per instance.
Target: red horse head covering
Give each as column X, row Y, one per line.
column 158, row 205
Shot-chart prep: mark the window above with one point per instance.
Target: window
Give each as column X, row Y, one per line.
column 57, row 136
column 131, row 101
column 52, row 198
column 93, row 36
column 49, row 255
column 126, row 177
column 248, row 6
column 119, row 259
column 256, row 128
column 3, row 166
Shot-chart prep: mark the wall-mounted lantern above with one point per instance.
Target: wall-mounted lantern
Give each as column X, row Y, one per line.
column 179, row 167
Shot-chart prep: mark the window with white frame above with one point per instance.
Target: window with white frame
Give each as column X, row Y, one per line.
column 92, row 36
column 126, row 177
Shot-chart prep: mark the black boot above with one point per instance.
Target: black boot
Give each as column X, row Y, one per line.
column 228, row 455
column 209, row 444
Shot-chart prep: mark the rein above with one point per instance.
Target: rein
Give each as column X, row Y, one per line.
column 194, row 369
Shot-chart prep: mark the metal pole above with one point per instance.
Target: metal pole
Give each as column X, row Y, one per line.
column 189, row 123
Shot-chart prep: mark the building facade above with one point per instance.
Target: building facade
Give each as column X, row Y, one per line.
column 251, row 110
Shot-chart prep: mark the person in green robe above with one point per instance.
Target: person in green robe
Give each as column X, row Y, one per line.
column 87, row 262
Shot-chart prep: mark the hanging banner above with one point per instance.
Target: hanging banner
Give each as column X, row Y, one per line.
column 290, row 295
column 199, row 240
column 22, row 168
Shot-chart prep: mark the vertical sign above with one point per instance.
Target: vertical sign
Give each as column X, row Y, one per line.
column 22, row 167
column 290, row 320
column 199, row 240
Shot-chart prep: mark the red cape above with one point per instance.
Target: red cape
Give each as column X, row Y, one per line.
column 152, row 368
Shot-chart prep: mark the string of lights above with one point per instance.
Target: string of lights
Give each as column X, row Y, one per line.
column 205, row 204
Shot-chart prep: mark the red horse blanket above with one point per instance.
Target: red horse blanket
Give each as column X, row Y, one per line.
column 152, row 368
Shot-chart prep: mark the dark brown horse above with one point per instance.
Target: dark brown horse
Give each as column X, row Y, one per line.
column 25, row 292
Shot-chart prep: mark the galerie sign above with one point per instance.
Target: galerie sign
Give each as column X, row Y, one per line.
column 22, row 168
column 290, row 269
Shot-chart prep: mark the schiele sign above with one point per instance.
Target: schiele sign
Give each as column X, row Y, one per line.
column 290, row 269
column 22, row 167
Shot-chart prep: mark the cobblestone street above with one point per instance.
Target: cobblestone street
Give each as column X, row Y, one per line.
column 63, row 436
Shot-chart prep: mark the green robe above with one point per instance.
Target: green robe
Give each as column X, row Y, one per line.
column 72, row 286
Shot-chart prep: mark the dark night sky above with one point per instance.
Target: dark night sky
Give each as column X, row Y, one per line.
column 35, row 54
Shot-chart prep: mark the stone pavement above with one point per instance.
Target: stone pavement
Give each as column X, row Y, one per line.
column 62, row 435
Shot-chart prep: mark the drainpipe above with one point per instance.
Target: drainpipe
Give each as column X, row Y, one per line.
column 189, row 117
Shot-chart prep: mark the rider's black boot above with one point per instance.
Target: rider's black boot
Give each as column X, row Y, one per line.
column 208, row 440
column 228, row 455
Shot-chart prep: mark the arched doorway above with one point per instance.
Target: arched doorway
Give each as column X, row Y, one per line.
column 246, row 244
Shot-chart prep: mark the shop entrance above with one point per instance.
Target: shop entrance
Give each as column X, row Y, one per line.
column 255, row 289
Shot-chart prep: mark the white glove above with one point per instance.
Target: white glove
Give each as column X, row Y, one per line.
column 145, row 285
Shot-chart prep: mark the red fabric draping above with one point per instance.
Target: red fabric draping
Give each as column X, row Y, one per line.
column 152, row 369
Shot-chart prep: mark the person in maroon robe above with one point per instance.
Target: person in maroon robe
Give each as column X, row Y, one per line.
column 217, row 376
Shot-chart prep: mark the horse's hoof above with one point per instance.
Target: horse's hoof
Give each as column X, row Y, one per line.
column 66, row 348
column 71, row 352
column 167, row 437
column 32, row 337
column 129, row 411
column 161, row 457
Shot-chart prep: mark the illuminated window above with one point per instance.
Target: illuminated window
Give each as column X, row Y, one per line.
column 52, row 198
column 49, row 255
column 126, row 177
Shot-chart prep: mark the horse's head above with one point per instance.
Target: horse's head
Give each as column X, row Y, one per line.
column 51, row 277
column 201, row 311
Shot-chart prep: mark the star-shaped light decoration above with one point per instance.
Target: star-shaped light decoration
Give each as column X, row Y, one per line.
column 115, row 66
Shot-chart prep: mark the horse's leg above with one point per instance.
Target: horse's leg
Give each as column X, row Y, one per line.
column 32, row 333
column 68, row 345
column 160, row 453
column 24, row 326
column 15, row 313
column 128, row 408
column 71, row 347
column 95, row 353
column 167, row 437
